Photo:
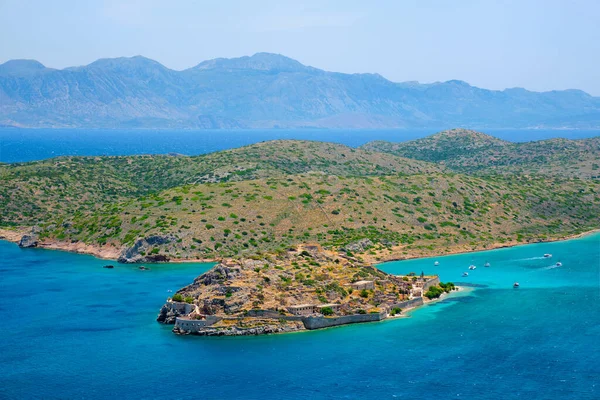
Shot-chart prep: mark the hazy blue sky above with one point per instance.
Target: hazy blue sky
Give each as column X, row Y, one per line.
column 539, row 45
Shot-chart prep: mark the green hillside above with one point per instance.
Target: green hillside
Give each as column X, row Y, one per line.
column 270, row 196
column 474, row 152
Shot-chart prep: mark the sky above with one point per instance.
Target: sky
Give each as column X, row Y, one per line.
column 538, row 45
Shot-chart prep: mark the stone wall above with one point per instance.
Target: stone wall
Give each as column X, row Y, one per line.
column 194, row 325
column 326, row 322
column 432, row 282
column 418, row 301
column 264, row 313
column 272, row 315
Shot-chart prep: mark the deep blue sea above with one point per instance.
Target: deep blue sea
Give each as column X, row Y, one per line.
column 19, row 145
column 72, row 329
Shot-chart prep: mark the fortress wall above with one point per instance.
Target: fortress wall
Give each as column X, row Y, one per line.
column 326, row 322
column 409, row 303
column 432, row 282
column 194, row 325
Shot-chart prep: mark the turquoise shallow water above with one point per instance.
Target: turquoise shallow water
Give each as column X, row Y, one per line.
column 71, row 329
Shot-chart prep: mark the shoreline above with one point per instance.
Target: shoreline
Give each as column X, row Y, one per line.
column 494, row 246
column 111, row 253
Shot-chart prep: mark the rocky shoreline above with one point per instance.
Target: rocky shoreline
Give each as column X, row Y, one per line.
column 113, row 253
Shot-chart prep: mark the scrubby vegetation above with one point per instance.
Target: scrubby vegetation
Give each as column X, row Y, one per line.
column 436, row 291
column 270, row 196
column 471, row 152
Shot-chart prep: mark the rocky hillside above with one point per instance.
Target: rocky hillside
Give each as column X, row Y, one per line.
column 73, row 185
column 275, row 195
column 265, row 91
column 474, row 152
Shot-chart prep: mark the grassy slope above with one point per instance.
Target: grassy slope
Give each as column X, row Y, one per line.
column 31, row 192
column 473, row 152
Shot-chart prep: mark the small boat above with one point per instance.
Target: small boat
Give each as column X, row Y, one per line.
column 436, row 263
column 559, row 264
column 472, row 267
column 108, row 266
column 516, row 285
column 465, row 274
column 547, row 255
column 487, row 264
column 144, row 268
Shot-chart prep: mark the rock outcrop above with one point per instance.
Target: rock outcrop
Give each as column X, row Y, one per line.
column 28, row 241
column 139, row 251
column 168, row 314
column 267, row 328
column 359, row 246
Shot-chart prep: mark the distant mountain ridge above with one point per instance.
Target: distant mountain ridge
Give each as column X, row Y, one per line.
column 266, row 91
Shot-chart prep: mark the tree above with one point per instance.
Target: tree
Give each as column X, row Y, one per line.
column 327, row 311
column 395, row 310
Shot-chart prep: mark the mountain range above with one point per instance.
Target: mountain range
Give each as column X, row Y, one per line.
column 266, row 91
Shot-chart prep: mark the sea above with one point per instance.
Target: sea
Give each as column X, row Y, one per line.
column 20, row 145
column 71, row 329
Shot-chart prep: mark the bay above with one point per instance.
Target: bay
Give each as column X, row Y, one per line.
column 72, row 329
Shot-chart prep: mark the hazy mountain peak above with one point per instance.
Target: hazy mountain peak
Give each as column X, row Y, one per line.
column 258, row 61
column 126, row 63
column 21, row 67
column 457, row 82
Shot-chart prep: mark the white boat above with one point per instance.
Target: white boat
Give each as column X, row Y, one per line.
column 559, row 264
column 516, row 285
column 547, row 255
column 465, row 274
column 436, row 263
column 472, row 267
column 487, row 264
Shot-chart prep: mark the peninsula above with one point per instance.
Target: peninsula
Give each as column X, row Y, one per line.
column 294, row 225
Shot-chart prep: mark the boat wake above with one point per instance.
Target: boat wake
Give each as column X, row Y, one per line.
column 531, row 259
column 551, row 267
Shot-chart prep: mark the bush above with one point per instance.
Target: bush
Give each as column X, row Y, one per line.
column 434, row 292
column 364, row 293
column 177, row 297
column 361, row 311
column 189, row 300
column 327, row 311
column 447, row 287
column 396, row 310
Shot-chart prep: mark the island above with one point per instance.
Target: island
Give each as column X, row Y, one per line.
column 293, row 225
column 301, row 288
